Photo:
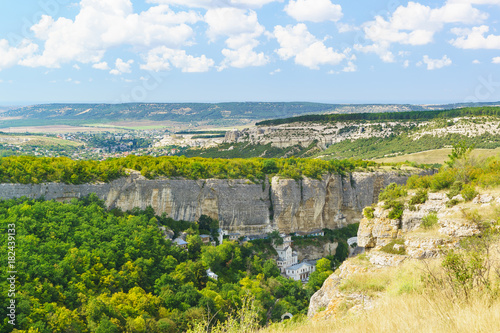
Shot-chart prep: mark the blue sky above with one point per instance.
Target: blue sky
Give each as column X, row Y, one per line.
column 358, row 51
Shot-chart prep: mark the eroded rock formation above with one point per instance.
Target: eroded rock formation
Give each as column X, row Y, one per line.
column 240, row 205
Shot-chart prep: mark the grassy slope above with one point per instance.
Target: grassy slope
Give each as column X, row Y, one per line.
column 435, row 156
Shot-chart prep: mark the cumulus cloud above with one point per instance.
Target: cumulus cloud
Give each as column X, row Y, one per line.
column 435, row 63
column 351, row 67
column 495, row 60
column 475, row 38
column 101, row 25
column 101, row 65
column 10, row 55
column 381, row 49
column 314, row 10
column 122, row 67
column 296, row 41
column 416, row 24
column 242, row 29
column 162, row 58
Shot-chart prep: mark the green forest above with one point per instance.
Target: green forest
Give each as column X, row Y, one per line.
column 35, row 170
column 83, row 268
column 389, row 116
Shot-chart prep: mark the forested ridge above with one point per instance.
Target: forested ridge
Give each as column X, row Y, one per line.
column 388, row 116
column 28, row 169
column 83, row 268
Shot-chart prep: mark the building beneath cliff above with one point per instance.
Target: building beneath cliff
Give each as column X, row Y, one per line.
column 300, row 272
column 286, row 256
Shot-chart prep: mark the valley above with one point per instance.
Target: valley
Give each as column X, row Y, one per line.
column 319, row 217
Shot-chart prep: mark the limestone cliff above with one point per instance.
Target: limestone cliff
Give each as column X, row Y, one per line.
column 383, row 237
column 240, row 205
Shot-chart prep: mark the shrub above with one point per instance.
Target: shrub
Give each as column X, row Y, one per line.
column 396, row 208
column 429, row 221
column 468, row 192
column 443, row 179
column 368, row 212
column 417, row 181
column 419, row 198
column 392, row 191
column 455, row 189
column 452, row 203
column 393, row 249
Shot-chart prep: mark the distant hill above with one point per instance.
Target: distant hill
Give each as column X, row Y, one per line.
column 51, row 114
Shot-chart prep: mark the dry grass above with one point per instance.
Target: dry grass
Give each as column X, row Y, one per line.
column 411, row 313
column 410, row 305
column 436, row 156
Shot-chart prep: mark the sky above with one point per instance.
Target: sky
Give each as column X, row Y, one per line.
column 332, row 51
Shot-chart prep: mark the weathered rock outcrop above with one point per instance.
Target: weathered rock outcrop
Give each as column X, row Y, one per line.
column 240, row 205
column 326, row 302
column 453, row 223
column 451, row 226
column 314, row 252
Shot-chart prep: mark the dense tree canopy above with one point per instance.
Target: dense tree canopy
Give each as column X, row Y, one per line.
column 83, row 268
column 28, row 169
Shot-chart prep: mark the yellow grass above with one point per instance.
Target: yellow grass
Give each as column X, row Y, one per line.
column 435, row 156
column 407, row 305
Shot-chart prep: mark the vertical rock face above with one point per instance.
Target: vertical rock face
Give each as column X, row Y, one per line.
column 240, row 205
column 310, row 204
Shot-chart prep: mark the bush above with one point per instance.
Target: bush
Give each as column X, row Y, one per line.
column 392, row 249
column 452, row 203
column 429, row 221
column 455, row 189
column 368, row 212
column 443, row 179
column 396, row 208
column 468, row 192
column 419, row 198
column 392, row 192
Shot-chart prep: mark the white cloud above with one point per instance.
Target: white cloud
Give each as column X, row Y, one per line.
column 474, row 38
column 476, row 62
column 296, row 41
column 75, row 66
column 122, row 67
column 495, row 60
column 162, row 58
column 351, row 67
column 314, row 10
column 210, row 4
column 242, row 29
column 406, row 63
column 10, row 56
column 101, row 25
column 276, row 71
column 381, row 49
column 243, row 57
column 101, row 65
column 344, row 27
column 436, row 63
column 232, row 22
column 416, row 24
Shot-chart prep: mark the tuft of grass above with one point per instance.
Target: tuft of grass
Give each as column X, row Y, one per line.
column 393, row 249
column 368, row 212
column 430, row 221
column 367, row 283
